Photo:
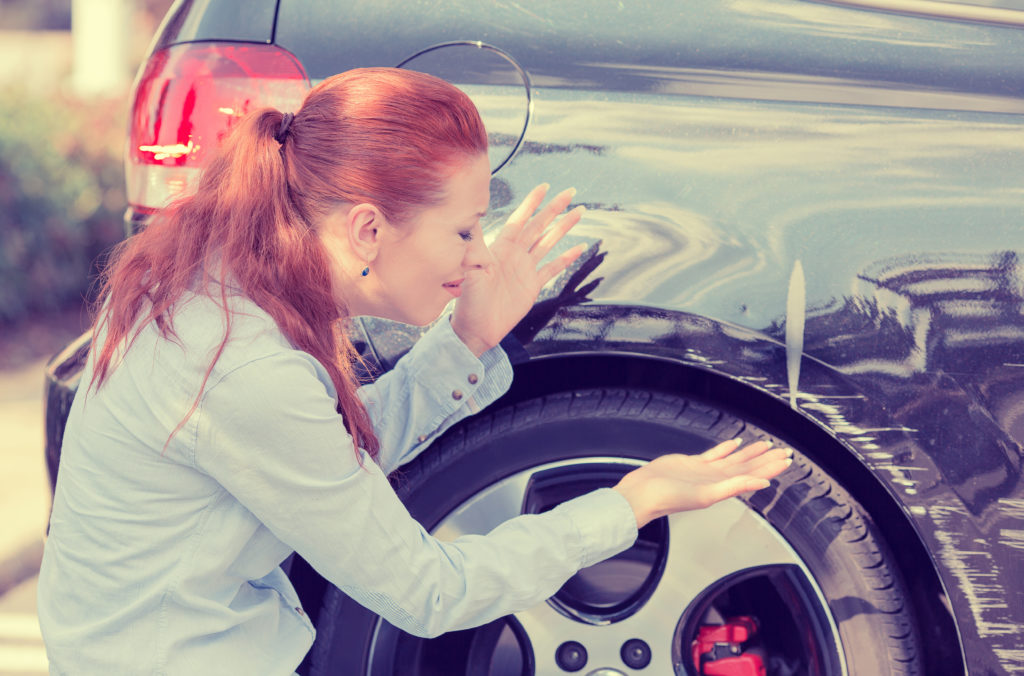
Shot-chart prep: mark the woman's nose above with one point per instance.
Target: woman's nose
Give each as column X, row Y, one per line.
column 477, row 254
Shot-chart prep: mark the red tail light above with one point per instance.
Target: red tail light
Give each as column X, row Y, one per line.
column 186, row 99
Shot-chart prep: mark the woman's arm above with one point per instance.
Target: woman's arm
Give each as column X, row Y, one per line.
column 269, row 434
column 436, row 384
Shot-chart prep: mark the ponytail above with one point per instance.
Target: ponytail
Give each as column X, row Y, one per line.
column 382, row 136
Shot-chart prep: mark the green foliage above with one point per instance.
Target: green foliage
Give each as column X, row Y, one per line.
column 61, row 199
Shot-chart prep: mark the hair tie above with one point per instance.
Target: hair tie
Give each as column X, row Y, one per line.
column 282, row 131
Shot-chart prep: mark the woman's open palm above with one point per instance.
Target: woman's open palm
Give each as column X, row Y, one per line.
column 496, row 296
column 676, row 482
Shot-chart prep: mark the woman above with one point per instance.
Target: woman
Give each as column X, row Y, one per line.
column 219, row 427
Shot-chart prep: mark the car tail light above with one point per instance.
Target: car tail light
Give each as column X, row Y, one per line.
column 186, row 99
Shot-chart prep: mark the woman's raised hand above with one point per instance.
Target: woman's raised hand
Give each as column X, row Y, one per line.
column 497, row 295
column 677, row 483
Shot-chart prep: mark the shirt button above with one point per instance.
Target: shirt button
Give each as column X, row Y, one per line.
column 299, row 610
column 456, row 394
column 473, row 379
column 422, row 438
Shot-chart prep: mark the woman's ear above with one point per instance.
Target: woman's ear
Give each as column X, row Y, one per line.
column 363, row 225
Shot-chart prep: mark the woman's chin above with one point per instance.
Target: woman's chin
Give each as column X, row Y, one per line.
column 420, row 317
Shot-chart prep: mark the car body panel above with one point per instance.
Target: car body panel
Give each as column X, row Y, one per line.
column 902, row 206
column 199, row 20
column 910, row 255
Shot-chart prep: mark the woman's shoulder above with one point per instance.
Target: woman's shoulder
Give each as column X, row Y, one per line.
column 201, row 322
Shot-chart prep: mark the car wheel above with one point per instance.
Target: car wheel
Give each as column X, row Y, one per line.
column 793, row 579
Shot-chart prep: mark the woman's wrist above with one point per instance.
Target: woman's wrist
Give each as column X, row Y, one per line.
column 631, row 489
column 475, row 345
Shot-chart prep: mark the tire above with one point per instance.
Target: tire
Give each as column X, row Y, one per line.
column 801, row 557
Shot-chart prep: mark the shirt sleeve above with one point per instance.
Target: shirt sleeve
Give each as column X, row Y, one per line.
column 433, row 386
column 269, row 433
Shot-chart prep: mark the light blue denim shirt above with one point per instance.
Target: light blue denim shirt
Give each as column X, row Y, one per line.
column 167, row 561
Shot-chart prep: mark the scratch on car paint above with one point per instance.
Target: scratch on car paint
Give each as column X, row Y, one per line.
column 1012, row 659
column 841, row 396
column 693, row 355
column 866, row 441
column 906, row 468
column 976, row 576
column 1012, row 538
column 1012, row 507
column 796, row 314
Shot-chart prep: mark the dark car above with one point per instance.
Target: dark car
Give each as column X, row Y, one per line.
column 806, row 223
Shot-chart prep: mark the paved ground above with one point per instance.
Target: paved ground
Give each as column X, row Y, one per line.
column 24, row 506
column 21, row 646
column 24, row 490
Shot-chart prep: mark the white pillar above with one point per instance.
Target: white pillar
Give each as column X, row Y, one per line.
column 99, row 36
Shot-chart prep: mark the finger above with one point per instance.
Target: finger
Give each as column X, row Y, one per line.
column 549, row 271
column 518, row 219
column 557, row 232
column 768, row 466
column 771, row 468
column 536, row 226
column 730, row 488
column 721, row 450
column 747, row 453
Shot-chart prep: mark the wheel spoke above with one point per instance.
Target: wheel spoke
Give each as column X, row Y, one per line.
column 707, row 546
column 487, row 510
column 547, row 629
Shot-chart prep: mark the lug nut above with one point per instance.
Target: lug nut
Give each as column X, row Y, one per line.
column 635, row 654
column 571, row 656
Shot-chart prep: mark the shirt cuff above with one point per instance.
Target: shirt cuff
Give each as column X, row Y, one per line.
column 605, row 523
column 497, row 379
column 454, row 375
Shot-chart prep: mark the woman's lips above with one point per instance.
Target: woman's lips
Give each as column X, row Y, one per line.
column 454, row 288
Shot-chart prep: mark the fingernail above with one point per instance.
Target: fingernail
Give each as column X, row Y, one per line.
column 737, row 441
column 572, row 192
column 789, row 461
column 789, row 452
column 765, row 483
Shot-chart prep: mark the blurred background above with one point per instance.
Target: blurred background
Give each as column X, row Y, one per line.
column 65, row 72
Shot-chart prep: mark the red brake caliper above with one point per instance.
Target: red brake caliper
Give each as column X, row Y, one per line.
column 718, row 650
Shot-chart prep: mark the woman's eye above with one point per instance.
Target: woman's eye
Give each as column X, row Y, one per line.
column 466, row 235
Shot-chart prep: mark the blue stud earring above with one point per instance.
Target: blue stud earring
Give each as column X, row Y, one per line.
column 366, row 271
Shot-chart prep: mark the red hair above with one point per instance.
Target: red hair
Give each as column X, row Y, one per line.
column 382, row 136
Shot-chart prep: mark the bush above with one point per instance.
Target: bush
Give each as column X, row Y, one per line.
column 62, row 200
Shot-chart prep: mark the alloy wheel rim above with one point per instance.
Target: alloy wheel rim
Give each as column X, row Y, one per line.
column 665, row 598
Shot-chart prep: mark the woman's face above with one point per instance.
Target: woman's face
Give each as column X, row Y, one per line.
column 420, row 264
